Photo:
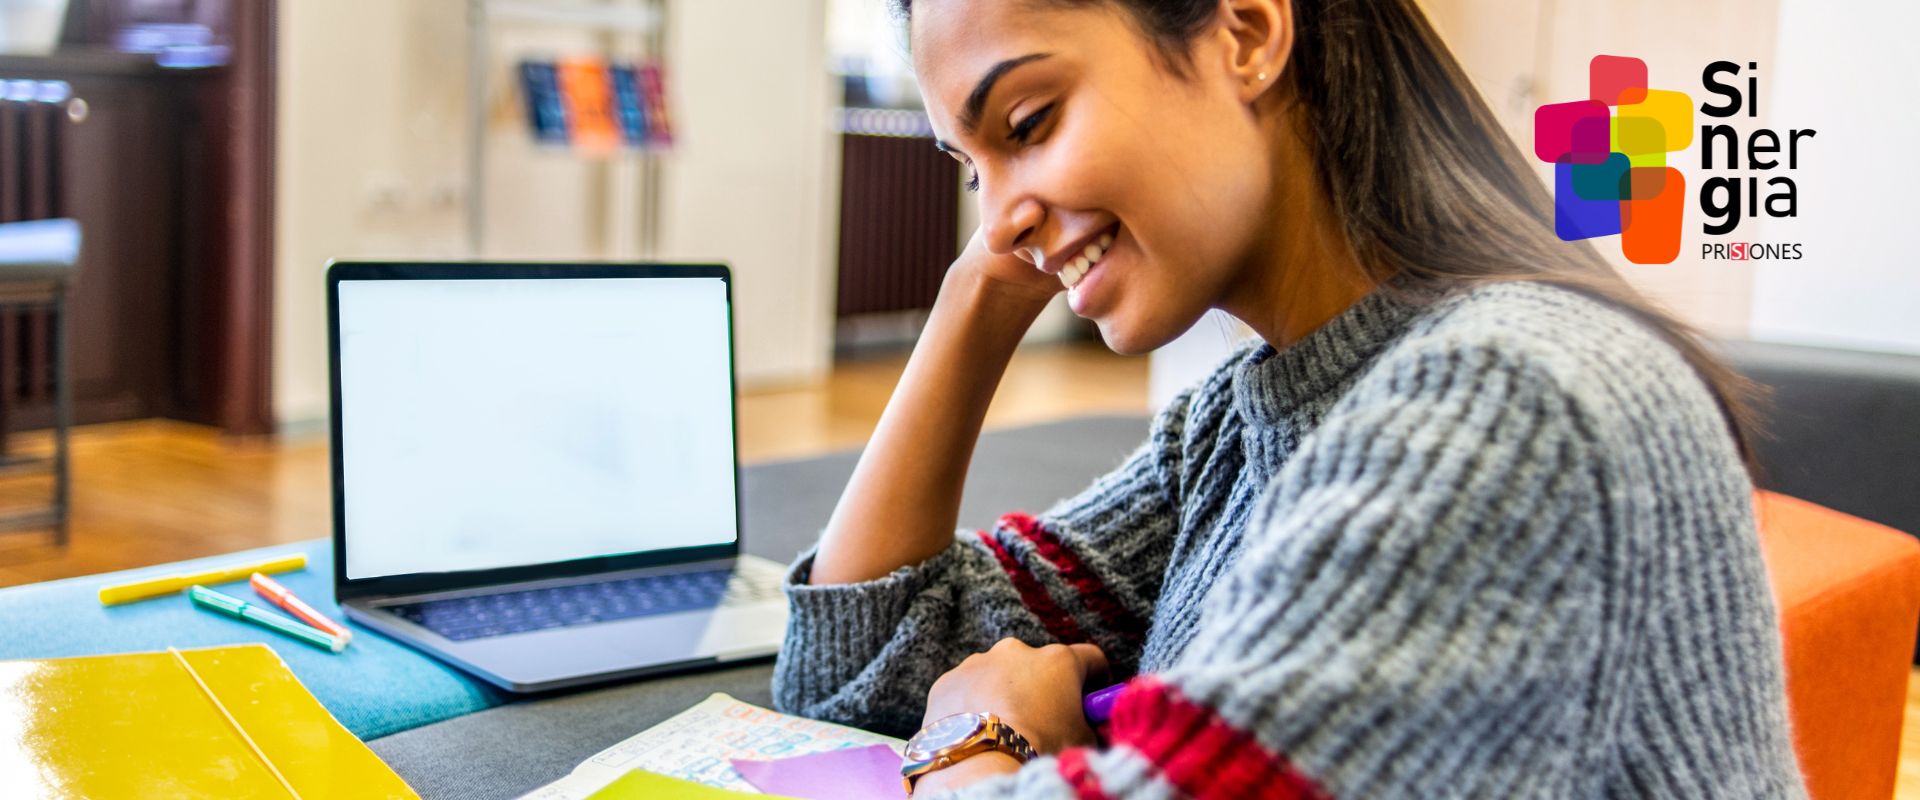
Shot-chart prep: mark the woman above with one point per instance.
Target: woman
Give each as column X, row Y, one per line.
column 1470, row 520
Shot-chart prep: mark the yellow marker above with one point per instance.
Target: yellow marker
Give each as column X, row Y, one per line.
column 174, row 584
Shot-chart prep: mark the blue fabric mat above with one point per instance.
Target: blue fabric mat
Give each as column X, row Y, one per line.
column 375, row 688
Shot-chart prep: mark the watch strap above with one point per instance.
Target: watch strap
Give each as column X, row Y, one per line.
column 1009, row 741
column 992, row 736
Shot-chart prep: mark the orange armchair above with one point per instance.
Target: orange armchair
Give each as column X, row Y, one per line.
column 1849, row 597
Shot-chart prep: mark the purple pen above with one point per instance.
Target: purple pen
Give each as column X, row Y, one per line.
column 1099, row 704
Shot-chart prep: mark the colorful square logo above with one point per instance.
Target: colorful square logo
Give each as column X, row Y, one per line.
column 1609, row 156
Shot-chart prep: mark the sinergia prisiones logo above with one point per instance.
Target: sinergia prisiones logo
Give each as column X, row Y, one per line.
column 1611, row 174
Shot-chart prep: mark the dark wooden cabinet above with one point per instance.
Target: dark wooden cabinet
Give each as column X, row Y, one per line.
column 170, row 176
column 121, row 173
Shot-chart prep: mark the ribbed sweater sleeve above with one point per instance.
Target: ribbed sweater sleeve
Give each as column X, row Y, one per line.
column 1421, row 610
column 1085, row 570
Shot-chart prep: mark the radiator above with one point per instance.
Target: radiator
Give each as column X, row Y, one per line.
column 899, row 213
column 34, row 116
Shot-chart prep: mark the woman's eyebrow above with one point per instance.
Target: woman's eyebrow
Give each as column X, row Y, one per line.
column 977, row 100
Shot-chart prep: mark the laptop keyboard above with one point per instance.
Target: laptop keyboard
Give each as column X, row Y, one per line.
column 463, row 618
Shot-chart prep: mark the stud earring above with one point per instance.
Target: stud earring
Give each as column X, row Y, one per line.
column 1261, row 77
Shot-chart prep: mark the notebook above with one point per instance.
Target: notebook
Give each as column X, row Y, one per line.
column 698, row 744
column 213, row 722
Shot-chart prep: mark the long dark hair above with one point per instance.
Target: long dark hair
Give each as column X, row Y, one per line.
column 1432, row 194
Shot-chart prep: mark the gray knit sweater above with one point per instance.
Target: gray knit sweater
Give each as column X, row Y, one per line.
column 1497, row 545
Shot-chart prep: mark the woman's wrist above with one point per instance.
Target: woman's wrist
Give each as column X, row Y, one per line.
column 971, row 769
column 992, row 301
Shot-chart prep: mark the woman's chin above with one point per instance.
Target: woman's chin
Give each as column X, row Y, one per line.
column 1145, row 332
column 1128, row 339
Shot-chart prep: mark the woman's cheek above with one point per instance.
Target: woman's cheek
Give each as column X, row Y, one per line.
column 1074, row 178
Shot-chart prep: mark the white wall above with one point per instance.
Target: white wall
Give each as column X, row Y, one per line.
column 355, row 154
column 371, row 163
column 754, row 178
column 1849, row 77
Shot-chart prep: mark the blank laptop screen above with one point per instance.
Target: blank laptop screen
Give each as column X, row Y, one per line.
column 500, row 423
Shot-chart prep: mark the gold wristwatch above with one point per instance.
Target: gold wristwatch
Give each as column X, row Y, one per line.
column 952, row 738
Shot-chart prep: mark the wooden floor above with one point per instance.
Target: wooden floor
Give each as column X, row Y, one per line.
column 156, row 491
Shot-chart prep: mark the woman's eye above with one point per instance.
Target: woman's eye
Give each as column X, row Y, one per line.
column 1023, row 129
column 973, row 182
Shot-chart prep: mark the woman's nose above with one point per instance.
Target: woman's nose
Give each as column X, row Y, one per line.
column 1011, row 226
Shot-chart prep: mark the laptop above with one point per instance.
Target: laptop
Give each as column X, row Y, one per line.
column 534, row 469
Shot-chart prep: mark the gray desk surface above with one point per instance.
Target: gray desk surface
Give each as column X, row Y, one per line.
column 507, row 751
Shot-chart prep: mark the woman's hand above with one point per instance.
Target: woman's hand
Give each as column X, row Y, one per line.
column 1010, row 275
column 1035, row 690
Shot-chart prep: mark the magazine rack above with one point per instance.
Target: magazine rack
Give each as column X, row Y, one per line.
column 639, row 21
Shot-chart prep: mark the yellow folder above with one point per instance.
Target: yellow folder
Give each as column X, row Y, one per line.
column 214, row 722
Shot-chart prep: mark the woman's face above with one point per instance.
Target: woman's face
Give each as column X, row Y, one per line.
column 1075, row 131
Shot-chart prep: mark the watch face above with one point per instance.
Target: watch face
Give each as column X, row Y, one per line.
column 945, row 732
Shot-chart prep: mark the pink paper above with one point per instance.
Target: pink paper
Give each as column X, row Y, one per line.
column 854, row 773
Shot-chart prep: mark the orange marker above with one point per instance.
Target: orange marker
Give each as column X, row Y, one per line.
column 280, row 596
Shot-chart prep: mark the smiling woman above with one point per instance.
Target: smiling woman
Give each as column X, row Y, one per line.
column 1470, row 519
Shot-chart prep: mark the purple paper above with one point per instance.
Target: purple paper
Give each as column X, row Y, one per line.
column 854, row 773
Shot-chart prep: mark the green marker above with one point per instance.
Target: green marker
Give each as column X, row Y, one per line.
column 240, row 609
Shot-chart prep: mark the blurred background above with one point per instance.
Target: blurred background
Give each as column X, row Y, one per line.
column 216, row 153
column 163, row 387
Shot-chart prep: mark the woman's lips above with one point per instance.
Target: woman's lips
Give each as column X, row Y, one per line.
column 1077, row 267
column 1084, row 275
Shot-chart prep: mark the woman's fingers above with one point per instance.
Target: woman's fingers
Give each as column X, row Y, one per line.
column 1093, row 662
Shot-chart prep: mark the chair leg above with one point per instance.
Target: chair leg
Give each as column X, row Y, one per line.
column 62, row 418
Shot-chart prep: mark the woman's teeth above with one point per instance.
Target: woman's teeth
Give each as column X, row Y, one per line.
column 1078, row 267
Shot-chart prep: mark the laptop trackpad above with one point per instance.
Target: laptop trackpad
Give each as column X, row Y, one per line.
column 538, row 657
column 668, row 637
column 744, row 631
column 726, row 632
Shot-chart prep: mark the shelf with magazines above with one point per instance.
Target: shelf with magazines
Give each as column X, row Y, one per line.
column 572, row 80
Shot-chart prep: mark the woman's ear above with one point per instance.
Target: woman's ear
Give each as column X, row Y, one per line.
column 1259, row 39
